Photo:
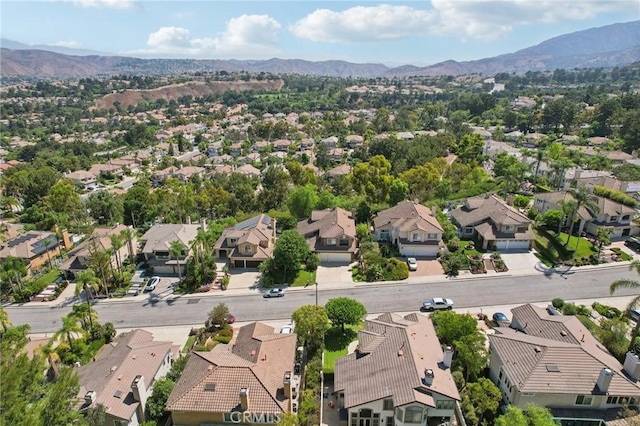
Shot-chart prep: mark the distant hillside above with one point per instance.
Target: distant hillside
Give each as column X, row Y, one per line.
column 612, row 45
column 16, row 45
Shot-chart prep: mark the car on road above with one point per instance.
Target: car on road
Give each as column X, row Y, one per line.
column 634, row 313
column 412, row 263
column 500, row 318
column 436, row 303
column 152, row 283
column 230, row 319
column 274, row 292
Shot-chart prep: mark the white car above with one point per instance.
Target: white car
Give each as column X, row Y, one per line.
column 437, row 303
column 412, row 263
column 274, row 292
column 287, row 329
column 152, row 283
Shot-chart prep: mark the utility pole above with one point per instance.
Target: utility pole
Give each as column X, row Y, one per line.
column 316, row 293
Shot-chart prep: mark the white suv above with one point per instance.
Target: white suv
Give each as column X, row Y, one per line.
column 437, row 303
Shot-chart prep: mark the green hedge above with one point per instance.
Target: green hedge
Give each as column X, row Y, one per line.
column 618, row 196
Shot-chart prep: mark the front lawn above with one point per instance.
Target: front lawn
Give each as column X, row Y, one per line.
column 585, row 248
column 552, row 248
column 336, row 344
column 304, row 278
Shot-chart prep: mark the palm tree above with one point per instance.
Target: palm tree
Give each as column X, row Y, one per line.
column 568, row 207
column 116, row 244
column 69, row 328
column 559, row 167
column 635, row 302
column 52, row 359
column 176, row 247
column 128, row 235
column 585, row 199
column 85, row 280
column 85, row 315
column 541, row 155
column 46, row 242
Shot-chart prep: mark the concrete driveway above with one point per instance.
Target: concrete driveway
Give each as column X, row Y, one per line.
column 427, row 267
column 334, row 274
column 243, row 278
column 520, row 261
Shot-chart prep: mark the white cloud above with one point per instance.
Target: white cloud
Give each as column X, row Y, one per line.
column 363, row 23
column 114, row 4
column 247, row 36
column 481, row 19
column 70, row 44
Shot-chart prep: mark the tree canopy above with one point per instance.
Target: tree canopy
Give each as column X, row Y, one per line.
column 344, row 310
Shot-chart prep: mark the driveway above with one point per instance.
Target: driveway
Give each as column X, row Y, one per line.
column 243, row 278
column 520, row 261
column 427, row 267
column 333, row 274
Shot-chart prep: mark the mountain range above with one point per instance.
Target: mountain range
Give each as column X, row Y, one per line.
column 608, row 46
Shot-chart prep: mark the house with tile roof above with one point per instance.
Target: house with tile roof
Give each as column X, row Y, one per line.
column 251, row 380
column 399, row 374
column 331, row 233
column 156, row 243
column 412, row 227
column 122, row 375
column 35, row 248
column 248, row 243
column 554, row 361
column 611, row 215
column 494, row 223
column 100, row 239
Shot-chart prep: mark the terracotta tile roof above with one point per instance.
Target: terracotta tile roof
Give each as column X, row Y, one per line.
column 257, row 360
column 393, row 354
column 29, row 245
column 407, row 216
column 329, row 223
column 555, row 354
column 160, row 236
column 117, row 365
column 479, row 209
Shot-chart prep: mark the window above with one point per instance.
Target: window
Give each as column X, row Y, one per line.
column 432, row 236
column 413, row 415
column 625, row 217
column 120, row 423
column 614, row 218
column 344, row 242
column 468, row 230
column 528, row 394
column 389, row 421
column 508, row 228
column 415, row 237
column 248, row 249
column 387, row 404
column 500, row 375
column 612, row 400
column 584, row 400
column 233, row 241
column 444, row 405
column 331, row 241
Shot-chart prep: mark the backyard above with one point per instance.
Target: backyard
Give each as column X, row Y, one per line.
column 336, row 344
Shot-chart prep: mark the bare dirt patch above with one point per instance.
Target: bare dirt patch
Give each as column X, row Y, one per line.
column 175, row 91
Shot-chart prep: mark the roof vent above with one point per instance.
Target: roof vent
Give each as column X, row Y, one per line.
column 552, row 368
column 563, row 333
column 209, row 386
column 400, row 352
column 537, row 349
column 118, row 394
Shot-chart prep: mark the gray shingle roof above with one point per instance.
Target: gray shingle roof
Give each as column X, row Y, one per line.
column 394, row 352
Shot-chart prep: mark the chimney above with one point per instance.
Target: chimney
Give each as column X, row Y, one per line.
column 273, row 230
column 428, row 376
column 632, row 365
column 139, row 391
column 244, row 399
column 448, row 356
column 188, row 220
column 434, row 211
column 203, row 224
column 510, row 199
column 604, row 380
column 287, row 384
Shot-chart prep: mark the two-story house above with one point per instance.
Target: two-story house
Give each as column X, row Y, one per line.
column 611, row 215
column 331, row 233
column 156, row 247
column 553, row 361
column 121, row 376
column 495, row 224
column 35, row 248
column 252, row 380
column 354, row 141
column 412, row 227
column 398, row 375
column 82, row 177
column 249, row 243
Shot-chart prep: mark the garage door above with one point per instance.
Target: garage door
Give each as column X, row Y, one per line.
column 249, row 263
column 512, row 245
column 335, row 257
column 412, row 251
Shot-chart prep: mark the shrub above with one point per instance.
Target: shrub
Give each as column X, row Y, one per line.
column 570, row 309
column 557, row 303
column 453, row 245
column 397, row 270
column 224, row 335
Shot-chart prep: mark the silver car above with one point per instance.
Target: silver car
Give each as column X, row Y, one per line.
column 437, row 303
column 412, row 263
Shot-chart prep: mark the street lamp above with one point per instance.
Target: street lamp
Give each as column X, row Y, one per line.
column 316, row 293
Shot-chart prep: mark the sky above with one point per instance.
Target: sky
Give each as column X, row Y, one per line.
column 392, row 32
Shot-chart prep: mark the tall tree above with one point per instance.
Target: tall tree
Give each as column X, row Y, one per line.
column 311, row 323
column 344, row 310
column 585, row 199
column 69, row 329
column 175, row 248
column 116, row 244
column 290, row 251
column 302, row 200
column 635, row 302
column 128, row 235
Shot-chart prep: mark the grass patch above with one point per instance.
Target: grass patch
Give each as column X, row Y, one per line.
column 584, row 249
column 47, row 278
column 588, row 323
column 336, row 344
column 304, row 278
column 189, row 344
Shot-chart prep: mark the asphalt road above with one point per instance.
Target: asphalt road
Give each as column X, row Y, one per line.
column 166, row 309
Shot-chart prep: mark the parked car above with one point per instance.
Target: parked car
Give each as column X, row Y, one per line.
column 437, row 303
column 152, row 283
column 231, row 319
column 552, row 310
column 287, row 329
column 633, row 243
column 634, row 313
column 500, row 318
column 412, row 263
column 274, row 292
